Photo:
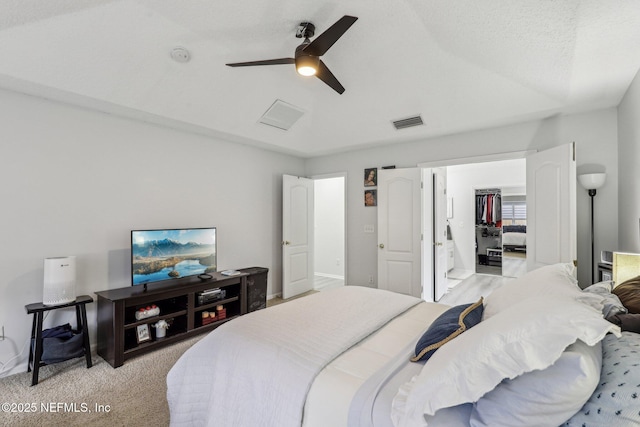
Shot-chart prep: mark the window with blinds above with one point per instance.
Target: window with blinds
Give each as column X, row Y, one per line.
column 514, row 212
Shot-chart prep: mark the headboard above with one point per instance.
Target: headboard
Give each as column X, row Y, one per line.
column 514, row 228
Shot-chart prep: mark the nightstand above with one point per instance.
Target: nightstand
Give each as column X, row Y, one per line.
column 604, row 272
column 35, row 350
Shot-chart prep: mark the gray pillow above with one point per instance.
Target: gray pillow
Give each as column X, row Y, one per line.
column 612, row 304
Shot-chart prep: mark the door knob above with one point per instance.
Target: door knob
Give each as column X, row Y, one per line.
column 438, row 243
column 381, row 245
column 286, row 242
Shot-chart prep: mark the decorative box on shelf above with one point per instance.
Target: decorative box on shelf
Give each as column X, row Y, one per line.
column 208, row 317
column 213, row 316
column 146, row 312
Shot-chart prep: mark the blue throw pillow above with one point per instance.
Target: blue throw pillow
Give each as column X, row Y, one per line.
column 446, row 327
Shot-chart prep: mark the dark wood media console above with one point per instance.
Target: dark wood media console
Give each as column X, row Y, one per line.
column 179, row 306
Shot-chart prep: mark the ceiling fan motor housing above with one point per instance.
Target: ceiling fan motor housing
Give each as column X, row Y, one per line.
column 306, row 60
column 305, row 30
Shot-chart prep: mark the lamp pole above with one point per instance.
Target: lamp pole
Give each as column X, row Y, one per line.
column 592, row 194
column 591, row 182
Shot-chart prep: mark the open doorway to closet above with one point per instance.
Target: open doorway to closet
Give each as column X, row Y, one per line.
column 550, row 182
column 488, row 220
column 482, row 198
column 329, row 231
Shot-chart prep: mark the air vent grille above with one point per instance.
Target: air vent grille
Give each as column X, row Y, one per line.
column 281, row 115
column 408, row 122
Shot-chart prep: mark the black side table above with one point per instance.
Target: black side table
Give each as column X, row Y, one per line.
column 38, row 310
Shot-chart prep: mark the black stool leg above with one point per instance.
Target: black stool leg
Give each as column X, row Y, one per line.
column 38, row 350
column 32, row 342
column 85, row 333
column 78, row 318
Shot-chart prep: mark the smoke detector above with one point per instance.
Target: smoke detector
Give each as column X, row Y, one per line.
column 180, row 54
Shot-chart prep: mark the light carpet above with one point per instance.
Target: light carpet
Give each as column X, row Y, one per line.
column 68, row 392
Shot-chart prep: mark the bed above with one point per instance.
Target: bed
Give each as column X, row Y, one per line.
column 514, row 238
column 530, row 353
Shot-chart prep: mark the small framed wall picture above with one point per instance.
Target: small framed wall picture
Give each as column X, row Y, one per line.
column 143, row 333
column 371, row 177
column 370, row 198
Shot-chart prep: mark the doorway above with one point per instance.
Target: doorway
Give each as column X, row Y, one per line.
column 313, row 233
column 488, row 231
column 550, row 182
column 466, row 185
column 329, row 231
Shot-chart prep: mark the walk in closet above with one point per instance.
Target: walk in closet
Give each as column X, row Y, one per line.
column 488, row 231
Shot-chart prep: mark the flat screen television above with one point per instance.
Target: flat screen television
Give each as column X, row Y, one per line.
column 158, row 255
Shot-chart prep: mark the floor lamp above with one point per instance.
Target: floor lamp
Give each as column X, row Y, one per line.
column 592, row 181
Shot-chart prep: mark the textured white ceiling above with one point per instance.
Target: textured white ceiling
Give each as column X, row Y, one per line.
column 461, row 64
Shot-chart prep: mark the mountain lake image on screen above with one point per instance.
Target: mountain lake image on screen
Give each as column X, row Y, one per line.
column 158, row 255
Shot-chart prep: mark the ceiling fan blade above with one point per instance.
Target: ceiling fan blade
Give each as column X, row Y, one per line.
column 327, row 76
column 324, row 41
column 264, row 62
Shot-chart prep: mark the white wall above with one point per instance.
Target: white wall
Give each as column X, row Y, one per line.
column 462, row 181
column 596, row 139
column 329, row 227
column 75, row 182
column 629, row 169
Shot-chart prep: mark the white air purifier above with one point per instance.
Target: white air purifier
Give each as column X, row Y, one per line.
column 59, row 280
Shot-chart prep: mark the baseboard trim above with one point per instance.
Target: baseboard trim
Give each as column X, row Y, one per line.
column 329, row 276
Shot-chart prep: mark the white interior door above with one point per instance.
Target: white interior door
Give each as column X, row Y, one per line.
column 440, row 231
column 399, row 230
column 551, row 207
column 297, row 235
column 428, row 289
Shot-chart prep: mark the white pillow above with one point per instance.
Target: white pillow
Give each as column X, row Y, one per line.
column 548, row 397
column 529, row 335
column 549, row 281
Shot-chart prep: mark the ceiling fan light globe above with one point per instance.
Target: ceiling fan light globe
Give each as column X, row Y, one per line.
column 306, row 65
column 306, row 70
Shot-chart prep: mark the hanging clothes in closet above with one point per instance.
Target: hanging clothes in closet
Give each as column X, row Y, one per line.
column 488, row 208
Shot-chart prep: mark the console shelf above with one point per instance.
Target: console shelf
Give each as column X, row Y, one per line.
column 216, row 303
column 178, row 303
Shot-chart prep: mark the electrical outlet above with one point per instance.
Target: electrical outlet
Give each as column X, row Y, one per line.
column 371, row 279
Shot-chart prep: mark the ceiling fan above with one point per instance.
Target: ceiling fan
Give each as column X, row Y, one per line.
column 307, row 55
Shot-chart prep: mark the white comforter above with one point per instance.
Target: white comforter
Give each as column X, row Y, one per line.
column 514, row 239
column 256, row 370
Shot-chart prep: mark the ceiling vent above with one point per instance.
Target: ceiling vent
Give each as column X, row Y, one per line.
column 408, row 122
column 281, row 115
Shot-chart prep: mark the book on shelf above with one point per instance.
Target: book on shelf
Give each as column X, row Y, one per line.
column 230, row 272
